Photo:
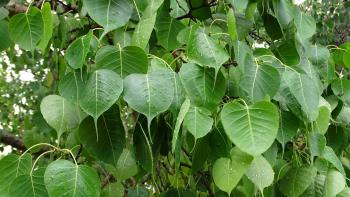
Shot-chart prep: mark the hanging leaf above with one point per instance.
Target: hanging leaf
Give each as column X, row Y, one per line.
column 64, row 178
column 317, row 143
column 201, row 87
column 334, row 184
column 204, row 51
column 182, row 113
column 5, row 35
column 30, row 185
column 288, row 127
column 78, row 50
column 111, row 136
column 252, row 128
column 143, row 149
column 48, row 26
column 101, row 91
column 26, row 29
column 322, row 122
column 167, row 30
column 60, row 114
column 115, row 189
column 329, row 155
column 227, row 172
column 258, row 81
column 12, row 166
column 124, row 61
column 305, row 91
column 70, row 87
column 260, row 173
column 198, row 121
column 318, row 55
column 110, row 14
column 231, row 24
column 149, row 94
column 297, row 180
column 126, row 166
column 305, row 24
column 146, row 24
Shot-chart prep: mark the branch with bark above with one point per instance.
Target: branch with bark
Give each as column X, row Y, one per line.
column 12, row 140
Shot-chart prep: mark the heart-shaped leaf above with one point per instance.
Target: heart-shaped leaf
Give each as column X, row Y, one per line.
column 203, row 50
column 305, row 24
column 260, row 173
column 149, row 94
column 341, row 88
column 64, row 178
column 198, row 121
column 258, row 81
column 60, row 114
column 252, row 128
column 288, row 127
column 111, row 136
column 110, row 14
column 78, row 50
column 201, row 87
column 227, row 172
column 26, row 29
column 101, row 91
column 70, row 87
column 124, row 61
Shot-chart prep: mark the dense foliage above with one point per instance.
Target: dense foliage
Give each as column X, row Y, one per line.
column 174, row 98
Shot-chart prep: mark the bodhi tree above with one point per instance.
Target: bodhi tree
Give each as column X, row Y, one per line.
column 172, row 98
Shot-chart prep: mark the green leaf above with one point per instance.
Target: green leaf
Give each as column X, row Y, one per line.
column 149, row 94
column 203, row 50
column 110, row 14
column 126, row 166
column 124, row 61
column 305, row 91
column 252, row 128
column 284, row 11
column 115, row 189
column 198, row 121
column 258, row 81
column 26, row 29
column 297, row 180
column 178, row 8
column 341, row 88
column 143, row 149
column 317, row 54
column 260, row 173
column 182, row 113
column 31, row 185
column 167, row 30
column 48, row 26
column 329, row 155
column 231, row 24
column 12, row 166
column 305, row 24
column 111, row 136
column 201, row 87
column 287, row 52
column 138, row 192
column 334, row 184
column 64, row 178
column 322, row 122
column 288, row 127
column 78, row 50
column 317, row 143
column 60, row 114
column 70, row 87
column 5, row 36
column 227, row 172
column 145, row 26
column 345, row 192
column 101, row 91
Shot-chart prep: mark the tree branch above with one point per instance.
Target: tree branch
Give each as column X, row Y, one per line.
column 9, row 139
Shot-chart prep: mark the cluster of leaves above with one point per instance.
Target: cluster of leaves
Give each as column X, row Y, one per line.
column 174, row 98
